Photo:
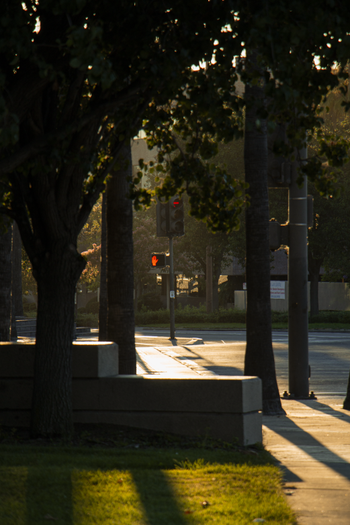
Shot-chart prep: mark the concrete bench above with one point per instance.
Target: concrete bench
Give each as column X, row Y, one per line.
column 223, row 407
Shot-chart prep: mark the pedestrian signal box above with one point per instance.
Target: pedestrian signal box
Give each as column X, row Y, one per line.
column 158, row 260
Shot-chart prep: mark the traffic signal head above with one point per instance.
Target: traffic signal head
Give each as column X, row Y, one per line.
column 176, row 217
column 158, row 260
column 162, row 219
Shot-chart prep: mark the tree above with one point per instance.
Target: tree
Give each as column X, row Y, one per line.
column 296, row 73
column 76, row 80
column 5, row 276
column 120, row 282
column 17, row 302
column 103, row 309
column 259, row 358
column 328, row 245
column 193, row 249
column 76, row 87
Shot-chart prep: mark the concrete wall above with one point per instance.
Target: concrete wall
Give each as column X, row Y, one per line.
column 331, row 296
column 222, row 407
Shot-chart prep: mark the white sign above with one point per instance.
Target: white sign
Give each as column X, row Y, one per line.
column 277, row 289
column 172, row 294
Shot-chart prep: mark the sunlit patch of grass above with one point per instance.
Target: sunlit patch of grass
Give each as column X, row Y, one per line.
column 107, row 498
column 139, row 487
column 231, row 494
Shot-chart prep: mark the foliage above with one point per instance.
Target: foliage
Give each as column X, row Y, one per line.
column 191, row 315
column 151, row 301
column 91, row 273
column 301, row 64
column 208, row 107
column 90, row 234
column 28, row 281
column 231, row 316
column 328, row 239
column 92, row 307
column 86, row 319
column 78, row 79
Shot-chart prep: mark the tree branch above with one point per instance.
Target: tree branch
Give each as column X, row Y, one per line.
column 39, row 144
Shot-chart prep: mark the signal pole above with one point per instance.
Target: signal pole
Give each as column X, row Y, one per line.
column 298, row 351
column 171, row 290
column 170, row 223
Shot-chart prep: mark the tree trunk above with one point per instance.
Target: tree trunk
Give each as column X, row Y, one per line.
column 17, row 299
column 259, row 357
column 346, row 404
column 52, row 392
column 103, row 309
column 16, row 279
column 120, row 275
column 5, row 286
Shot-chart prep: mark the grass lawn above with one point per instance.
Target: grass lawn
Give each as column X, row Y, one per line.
column 242, row 326
column 130, row 477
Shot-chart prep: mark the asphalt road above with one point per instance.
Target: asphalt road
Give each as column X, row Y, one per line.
column 222, row 353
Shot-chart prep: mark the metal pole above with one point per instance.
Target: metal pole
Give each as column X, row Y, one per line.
column 298, row 352
column 172, row 290
column 209, row 280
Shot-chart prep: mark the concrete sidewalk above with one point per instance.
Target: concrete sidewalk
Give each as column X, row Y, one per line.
column 312, row 446
column 311, row 443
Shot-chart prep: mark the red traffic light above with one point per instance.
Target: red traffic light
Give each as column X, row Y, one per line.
column 176, row 217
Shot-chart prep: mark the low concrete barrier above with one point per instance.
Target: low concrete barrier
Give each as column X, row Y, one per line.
column 222, row 407
column 89, row 359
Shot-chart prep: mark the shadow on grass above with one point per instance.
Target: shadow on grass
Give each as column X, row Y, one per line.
column 157, row 497
column 44, row 501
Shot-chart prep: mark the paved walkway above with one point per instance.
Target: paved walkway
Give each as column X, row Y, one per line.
column 311, row 443
column 312, row 446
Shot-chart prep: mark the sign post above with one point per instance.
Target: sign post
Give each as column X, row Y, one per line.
column 172, row 290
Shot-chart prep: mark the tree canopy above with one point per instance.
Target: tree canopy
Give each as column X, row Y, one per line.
column 79, row 78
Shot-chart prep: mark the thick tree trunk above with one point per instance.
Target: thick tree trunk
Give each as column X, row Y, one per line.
column 52, row 393
column 103, row 309
column 17, row 299
column 120, row 275
column 346, row 404
column 5, row 284
column 16, row 280
column 259, row 358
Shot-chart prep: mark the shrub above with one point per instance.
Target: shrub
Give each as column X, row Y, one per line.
column 190, row 314
column 86, row 319
column 331, row 316
column 92, row 307
column 29, row 309
column 151, row 301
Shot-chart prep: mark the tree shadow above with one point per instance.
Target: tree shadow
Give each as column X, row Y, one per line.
column 220, row 370
column 158, row 498
column 326, row 409
column 43, row 499
column 285, row 427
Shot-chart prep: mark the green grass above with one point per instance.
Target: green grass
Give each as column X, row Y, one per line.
column 198, row 319
column 242, row 326
column 139, row 485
